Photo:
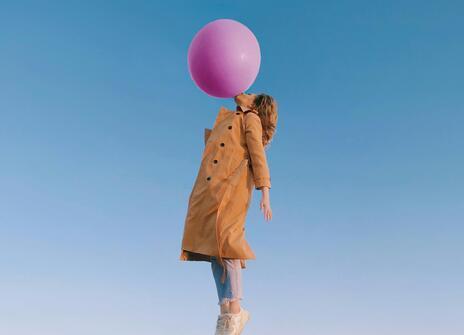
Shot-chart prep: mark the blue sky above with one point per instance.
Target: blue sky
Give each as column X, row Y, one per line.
column 101, row 135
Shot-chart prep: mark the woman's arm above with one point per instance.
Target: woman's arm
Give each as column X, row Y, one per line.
column 254, row 134
column 261, row 175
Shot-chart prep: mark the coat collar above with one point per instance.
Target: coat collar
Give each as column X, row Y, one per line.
column 244, row 109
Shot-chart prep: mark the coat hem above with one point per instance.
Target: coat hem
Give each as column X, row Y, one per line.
column 187, row 255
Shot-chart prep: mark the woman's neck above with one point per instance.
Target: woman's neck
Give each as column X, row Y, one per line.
column 243, row 108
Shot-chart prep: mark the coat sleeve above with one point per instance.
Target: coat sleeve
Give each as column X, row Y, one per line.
column 207, row 133
column 253, row 135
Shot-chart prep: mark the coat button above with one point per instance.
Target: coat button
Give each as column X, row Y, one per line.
column 230, row 127
column 215, row 161
column 222, row 144
column 209, row 178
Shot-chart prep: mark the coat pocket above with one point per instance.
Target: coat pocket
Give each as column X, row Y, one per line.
column 234, row 177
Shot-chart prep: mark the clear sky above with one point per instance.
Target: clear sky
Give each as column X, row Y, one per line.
column 101, row 136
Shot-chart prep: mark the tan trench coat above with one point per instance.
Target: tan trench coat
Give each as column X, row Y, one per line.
column 233, row 163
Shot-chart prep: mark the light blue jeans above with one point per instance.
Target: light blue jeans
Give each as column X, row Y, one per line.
column 231, row 289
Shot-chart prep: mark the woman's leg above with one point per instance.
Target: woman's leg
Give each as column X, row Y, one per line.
column 229, row 292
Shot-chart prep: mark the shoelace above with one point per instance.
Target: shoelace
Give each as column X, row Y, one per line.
column 225, row 321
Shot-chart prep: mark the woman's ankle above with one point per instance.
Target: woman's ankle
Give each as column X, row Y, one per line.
column 224, row 308
column 234, row 307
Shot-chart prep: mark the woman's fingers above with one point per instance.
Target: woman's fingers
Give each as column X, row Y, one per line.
column 266, row 209
column 267, row 213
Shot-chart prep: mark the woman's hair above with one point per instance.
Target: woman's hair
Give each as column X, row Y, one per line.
column 266, row 106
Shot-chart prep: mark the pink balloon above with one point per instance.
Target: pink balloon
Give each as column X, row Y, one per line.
column 224, row 58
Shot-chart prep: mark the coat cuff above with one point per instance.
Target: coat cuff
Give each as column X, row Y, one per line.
column 260, row 182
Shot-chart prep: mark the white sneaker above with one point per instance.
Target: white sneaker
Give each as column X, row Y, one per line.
column 226, row 324
column 244, row 317
column 232, row 323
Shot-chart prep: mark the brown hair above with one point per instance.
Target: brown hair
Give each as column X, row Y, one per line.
column 266, row 106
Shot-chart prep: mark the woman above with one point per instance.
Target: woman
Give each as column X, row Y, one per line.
column 233, row 164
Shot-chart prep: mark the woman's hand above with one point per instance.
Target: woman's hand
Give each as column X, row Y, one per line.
column 265, row 204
